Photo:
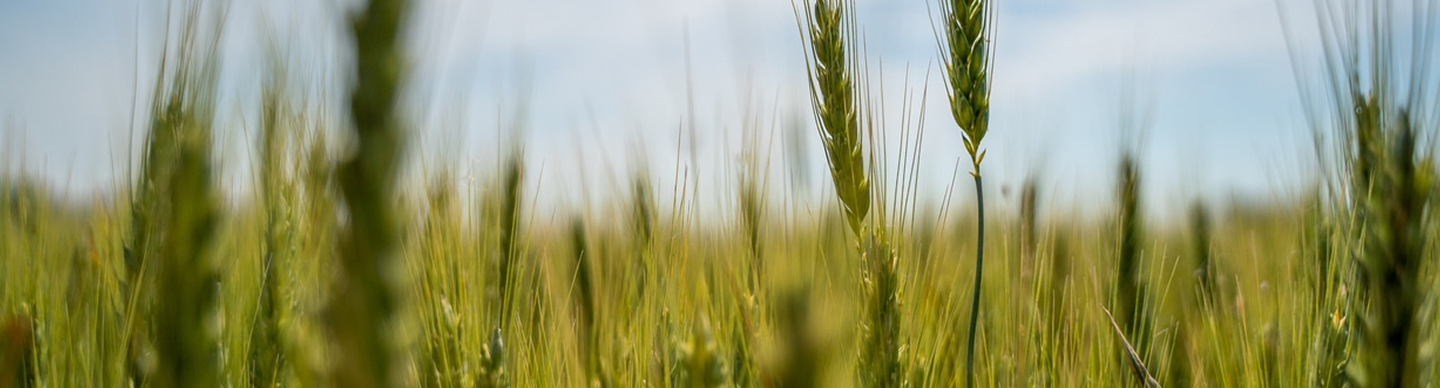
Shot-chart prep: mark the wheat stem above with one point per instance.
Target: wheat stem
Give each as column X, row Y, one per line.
column 975, row 292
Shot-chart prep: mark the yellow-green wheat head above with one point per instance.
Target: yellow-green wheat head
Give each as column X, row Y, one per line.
column 833, row 98
column 967, row 68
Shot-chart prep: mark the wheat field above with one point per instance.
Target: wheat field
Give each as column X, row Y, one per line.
column 337, row 273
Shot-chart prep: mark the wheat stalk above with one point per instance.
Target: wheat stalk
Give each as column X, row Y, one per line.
column 182, row 215
column 966, row 25
column 1137, row 365
column 1029, row 229
column 752, row 218
column 147, row 206
column 1377, row 105
column 266, row 358
column 585, row 302
column 364, row 300
column 509, row 234
column 835, row 101
column 1131, row 289
column 188, row 282
column 442, row 360
column 642, row 222
column 752, row 206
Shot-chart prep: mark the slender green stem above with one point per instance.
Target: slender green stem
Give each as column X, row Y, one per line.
column 979, row 267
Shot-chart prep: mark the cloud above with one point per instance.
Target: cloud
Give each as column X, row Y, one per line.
column 1046, row 52
column 609, row 77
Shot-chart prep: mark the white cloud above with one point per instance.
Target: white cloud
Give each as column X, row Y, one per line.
column 624, row 61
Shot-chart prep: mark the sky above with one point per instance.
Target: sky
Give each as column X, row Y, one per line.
column 597, row 89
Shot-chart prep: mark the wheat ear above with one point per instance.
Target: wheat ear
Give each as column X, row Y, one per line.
column 832, row 93
column 364, row 298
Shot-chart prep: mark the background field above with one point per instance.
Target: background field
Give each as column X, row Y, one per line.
column 349, row 254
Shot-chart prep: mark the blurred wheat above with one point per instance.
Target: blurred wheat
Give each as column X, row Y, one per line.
column 364, row 299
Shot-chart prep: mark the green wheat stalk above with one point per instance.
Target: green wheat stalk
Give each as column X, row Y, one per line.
column 585, row 303
column 835, row 100
column 176, row 218
column 364, row 301
column 1029, row 228
column 642, row 223
column 441, row 359
column 1131, row 292
column 509, row 234
column 752, row 218
column 146, row 199
column 266, row 358
column 188, row 281
column 965, row 52
column 1377, row 107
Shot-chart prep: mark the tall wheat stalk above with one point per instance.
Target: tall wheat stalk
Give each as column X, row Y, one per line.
column 753, row 217
column 509, row 271
column 642, row 222
column 441, row 359
column 1205, row 268
column 189, row 277
column 965, row 53
column 836, row 101
column 585, row 301
column 317, row 227
column 175, row 218
column 509, row 233
column 1029, row 229
column 266, row 358
column 1326, row 275
column 1391, row 264
column 1131, row 293
column 364, row 300
column 1377, row 106
column 752, row 220
column 146, row 199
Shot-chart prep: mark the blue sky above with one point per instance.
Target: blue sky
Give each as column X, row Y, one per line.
column 601, row 86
